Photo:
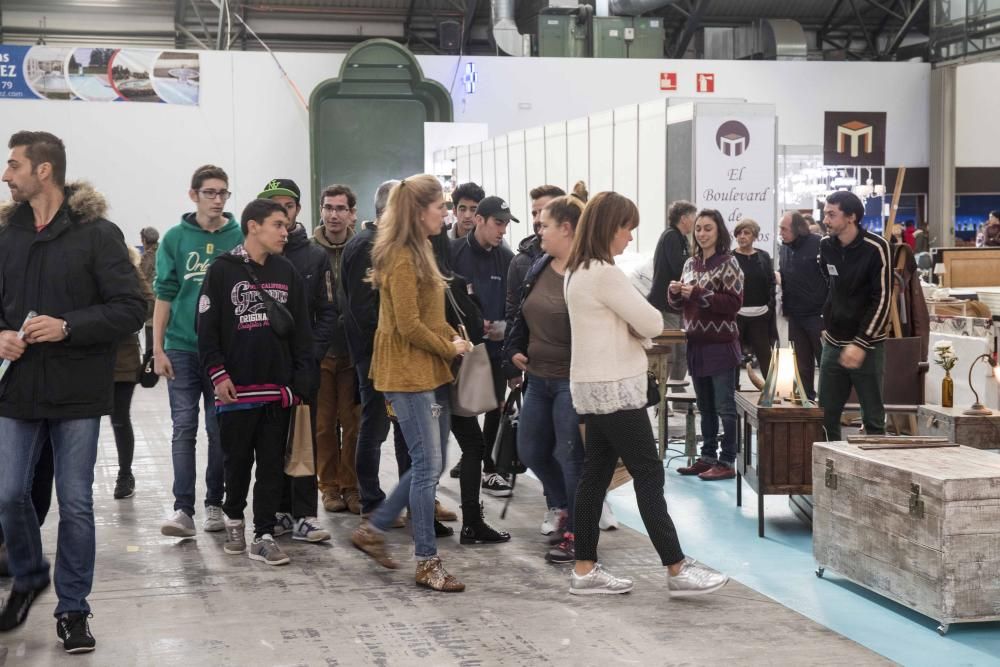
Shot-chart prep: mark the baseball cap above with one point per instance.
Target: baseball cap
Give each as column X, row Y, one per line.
column 280, row 187
column 495, row 207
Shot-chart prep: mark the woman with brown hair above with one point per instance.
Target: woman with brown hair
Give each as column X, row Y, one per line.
column 411, row 365
column 756, row 318
column 612, row 323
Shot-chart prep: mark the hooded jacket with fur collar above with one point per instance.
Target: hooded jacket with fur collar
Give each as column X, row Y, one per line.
column 77, row 269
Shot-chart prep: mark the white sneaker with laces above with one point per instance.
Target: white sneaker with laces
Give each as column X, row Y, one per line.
column 608, row 520
column 178, row 524
column 215, row 521
column 550, row 523
column 307, row 530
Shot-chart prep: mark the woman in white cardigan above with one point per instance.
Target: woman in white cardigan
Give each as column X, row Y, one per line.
column 611, row 323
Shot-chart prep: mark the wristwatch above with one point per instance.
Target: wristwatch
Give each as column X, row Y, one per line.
column 66, row 329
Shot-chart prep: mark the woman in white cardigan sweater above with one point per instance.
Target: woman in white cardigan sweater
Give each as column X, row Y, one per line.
column 611, row 323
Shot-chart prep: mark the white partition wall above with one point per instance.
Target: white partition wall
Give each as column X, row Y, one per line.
column 625, row 180
column 517, row 193
column 556, row 155
column 489, row 167
column 476, row 163
column 534, row 145
column 502, row 186
column 602, row 152
column 652, row 165
column 577, row 152
column 462, row 172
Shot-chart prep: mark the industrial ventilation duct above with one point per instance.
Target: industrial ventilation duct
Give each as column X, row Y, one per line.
column 505, row 32
column 766, row 39
column 631, row 7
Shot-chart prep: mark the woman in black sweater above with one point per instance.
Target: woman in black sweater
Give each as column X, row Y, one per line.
column 756, row 319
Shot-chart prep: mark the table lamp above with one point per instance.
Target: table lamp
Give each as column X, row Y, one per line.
column 783, row 381
column 977, row 407
column 939, row 270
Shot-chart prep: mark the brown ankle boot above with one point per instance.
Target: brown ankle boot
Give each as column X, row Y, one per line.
column 431, row 573
column 372, row 542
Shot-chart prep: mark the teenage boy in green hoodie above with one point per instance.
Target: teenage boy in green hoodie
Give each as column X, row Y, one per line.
column 182, row 259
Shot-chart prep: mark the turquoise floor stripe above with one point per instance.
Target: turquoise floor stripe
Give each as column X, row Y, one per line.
column 780, row 566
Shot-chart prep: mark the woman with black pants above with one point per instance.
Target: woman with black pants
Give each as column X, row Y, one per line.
column 755, row 319
column 611, row 324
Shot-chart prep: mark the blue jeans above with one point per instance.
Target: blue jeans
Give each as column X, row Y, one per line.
column 372, row 433
column 549, row 442
column 717, row 400
column 189, row 386
column 425, row 418
column 74, row 450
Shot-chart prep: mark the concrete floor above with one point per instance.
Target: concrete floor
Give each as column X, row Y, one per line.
column 157, row 601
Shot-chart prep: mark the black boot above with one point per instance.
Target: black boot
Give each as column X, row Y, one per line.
column 475, row 530
column 441, row 530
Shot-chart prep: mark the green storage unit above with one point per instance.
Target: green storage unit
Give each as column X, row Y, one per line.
column 559, row 36
column 650, row 36
column 609, row 36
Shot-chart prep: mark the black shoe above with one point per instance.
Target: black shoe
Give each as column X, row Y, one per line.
column 125, row 486
column 74, row 631
column 480, row 532
column 4, row 567
column 456, row 470
column 441, row 530
column 15, row 609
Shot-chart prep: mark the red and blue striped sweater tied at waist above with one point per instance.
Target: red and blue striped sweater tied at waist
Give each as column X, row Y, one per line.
column 253, row 394
column 709, row 314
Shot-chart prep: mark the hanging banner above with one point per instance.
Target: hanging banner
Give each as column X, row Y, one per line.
column 99, row 74
column 735, row 165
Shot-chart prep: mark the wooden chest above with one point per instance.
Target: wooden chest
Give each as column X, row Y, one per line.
column 919, row 526
column 979, row 431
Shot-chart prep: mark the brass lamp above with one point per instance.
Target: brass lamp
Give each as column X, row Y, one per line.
column 977, row 407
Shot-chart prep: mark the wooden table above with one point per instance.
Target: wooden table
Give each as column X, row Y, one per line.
column 778, row 461
column 659, row 365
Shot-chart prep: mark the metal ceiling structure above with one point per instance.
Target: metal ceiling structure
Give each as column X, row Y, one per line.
column 838, row 29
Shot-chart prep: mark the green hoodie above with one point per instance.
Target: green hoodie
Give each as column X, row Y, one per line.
column 182, row 259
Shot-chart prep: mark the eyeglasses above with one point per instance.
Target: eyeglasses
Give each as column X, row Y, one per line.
column 337, row 209
column 215, row 194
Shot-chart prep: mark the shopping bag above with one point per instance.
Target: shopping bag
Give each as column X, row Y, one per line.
column 299, row 448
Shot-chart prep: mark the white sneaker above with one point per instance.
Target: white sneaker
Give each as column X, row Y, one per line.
column 307, row 530
column 608, row 520
column 550, row 523
column 215, row 521
column 598, row 582
column 283, row 523
column 695, row 579
column 178, row 525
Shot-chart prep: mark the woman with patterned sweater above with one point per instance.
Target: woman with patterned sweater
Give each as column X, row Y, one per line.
column 710, row 294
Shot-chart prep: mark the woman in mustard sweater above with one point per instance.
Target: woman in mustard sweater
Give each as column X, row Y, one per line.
column 411, row 365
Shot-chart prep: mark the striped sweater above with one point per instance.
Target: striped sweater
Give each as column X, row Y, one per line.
column 709, row 314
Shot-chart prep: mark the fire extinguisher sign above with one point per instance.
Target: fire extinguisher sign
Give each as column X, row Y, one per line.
column 706, row 83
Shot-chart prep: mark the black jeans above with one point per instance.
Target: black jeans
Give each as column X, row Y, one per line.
column 258, row 434
column 755, row 336
column 299, row 495
column 467, row 429
column 41, row 485
column 804, row 333
column 628, row 435
column 470, row 440
column 835, row 384
column 121, row 424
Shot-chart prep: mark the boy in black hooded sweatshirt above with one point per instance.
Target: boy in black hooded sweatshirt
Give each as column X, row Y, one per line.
column 258, row 374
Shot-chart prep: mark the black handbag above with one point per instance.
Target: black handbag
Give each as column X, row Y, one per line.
column 147, row 373
column 280, row 318
column 505, row 447
column 652, row 390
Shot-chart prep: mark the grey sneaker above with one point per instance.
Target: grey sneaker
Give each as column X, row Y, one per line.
column 307, row 530
column 695, row 579
column 598, row 582
column 236, row 539
column 178, row 525
column 283, row 523
column 265, row 549
column 215, row 520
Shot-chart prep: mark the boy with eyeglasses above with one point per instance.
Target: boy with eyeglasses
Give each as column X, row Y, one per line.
column 182, row 260
column 338, row 413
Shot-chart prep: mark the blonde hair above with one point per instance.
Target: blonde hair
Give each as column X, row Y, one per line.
column 399, row 228
column 605, row 214
column 580, row 191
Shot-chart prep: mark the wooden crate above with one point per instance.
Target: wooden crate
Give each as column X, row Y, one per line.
column 979, row 431
column 919, row 526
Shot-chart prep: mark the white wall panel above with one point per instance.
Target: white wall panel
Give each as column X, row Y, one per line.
column 602, row 152
column 517, row 192
column 476, row 163
column 534, row 144
column 489, row 167
column 502, row 188
column 462, row 167
column 652, row 155
column 556, row 155
column 577, row 151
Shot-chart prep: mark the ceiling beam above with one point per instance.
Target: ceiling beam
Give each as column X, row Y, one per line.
column 690, row 27
column 897, row 40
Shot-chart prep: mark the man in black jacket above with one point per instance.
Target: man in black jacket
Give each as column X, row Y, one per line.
column 258, row 370
column 668, row 261
column 297, row 512
column 529, row 249
column 803, row 293
column 59, row 258
column 858, row 265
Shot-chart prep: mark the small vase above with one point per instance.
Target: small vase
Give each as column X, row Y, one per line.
column 947, row 390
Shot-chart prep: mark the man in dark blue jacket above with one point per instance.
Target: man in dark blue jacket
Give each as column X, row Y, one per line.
column 482, row 259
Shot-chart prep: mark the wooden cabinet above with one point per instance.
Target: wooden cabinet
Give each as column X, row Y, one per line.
column 775, row 449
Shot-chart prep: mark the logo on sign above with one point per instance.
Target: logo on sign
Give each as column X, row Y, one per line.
column 706, row 83
column 668, row 80
column 732, row 138
column 854, row 137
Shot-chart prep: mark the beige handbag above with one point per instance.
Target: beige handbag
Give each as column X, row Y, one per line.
column 299, row 447
column 472, row 391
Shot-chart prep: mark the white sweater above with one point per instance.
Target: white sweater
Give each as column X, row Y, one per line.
column 602, row 304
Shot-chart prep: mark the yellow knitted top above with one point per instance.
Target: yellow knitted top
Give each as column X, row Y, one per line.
column 413, row 349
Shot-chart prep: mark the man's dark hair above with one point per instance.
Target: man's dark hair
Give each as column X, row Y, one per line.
column 678, row 210
column 205, row 172
column 546, row 191
column 259, row 210
column 336, row 191
column 849, row 204
column 468, row 191
column 724, row 240
column 995, row 213
column 42, row 147
column 800, row 225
